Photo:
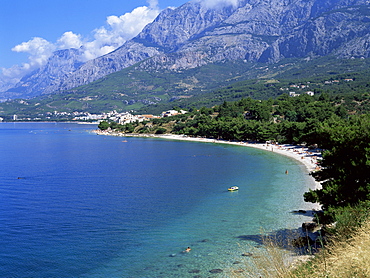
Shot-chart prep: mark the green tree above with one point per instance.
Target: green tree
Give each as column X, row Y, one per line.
column 103, row 125
column 291, row 116
column 345, row 166
column 266, row 131
column 114, row 125
column 229, row 110
column 341, row 111
column 292, row 131
column 160, row 130
column 261, row 111
column 129, row 128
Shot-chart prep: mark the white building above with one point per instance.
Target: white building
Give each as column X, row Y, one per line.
column 172, row 113
column 126, row 118
column 310, row 93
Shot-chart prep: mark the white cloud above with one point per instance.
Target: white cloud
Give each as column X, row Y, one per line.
column 39, row 51
column 218, row 3
column 153, row 4
column 12, row 74
column 117, row 31
column 69, row 40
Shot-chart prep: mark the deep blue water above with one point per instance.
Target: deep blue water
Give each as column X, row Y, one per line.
column 74, row 204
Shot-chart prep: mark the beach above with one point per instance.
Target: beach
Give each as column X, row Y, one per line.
column 307, row 157
column 303, row 155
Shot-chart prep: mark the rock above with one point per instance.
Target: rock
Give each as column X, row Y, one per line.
column 301, row 211
column 302, row 242
column 310, row 226
column 217, row 270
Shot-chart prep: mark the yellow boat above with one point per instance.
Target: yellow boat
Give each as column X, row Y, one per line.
column 233, row 188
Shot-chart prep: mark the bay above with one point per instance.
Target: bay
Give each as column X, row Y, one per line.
column 74, row 204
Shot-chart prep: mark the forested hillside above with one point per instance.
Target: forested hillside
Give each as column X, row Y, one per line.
column 153, row 93
column 286, row 119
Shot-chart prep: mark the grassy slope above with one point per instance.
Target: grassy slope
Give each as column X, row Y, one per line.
column 268, row 84
column 342, row 259
column 154, row 92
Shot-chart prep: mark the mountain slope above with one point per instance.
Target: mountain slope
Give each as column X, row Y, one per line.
column 58, row 67
column 193, row 35
column 154, row 92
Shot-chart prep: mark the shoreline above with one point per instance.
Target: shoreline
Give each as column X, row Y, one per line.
column 301, row 154
column 307, row 158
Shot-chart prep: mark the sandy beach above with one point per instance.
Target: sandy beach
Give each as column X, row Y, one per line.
column 301, row 154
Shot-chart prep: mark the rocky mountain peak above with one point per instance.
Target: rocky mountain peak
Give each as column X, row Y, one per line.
column 196, row 34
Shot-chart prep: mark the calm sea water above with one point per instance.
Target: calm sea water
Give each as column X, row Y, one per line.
column 74, row 204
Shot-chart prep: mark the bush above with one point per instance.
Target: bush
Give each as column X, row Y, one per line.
column 350, row 218
column 103, row 125
column 160, row 130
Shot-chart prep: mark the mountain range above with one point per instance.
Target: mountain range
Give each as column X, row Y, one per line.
column 195, row 35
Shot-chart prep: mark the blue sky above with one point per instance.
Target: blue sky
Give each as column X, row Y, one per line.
column 32, row 29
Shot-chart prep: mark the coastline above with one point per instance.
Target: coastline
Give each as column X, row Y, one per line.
column 301, row 154
column 304, row 156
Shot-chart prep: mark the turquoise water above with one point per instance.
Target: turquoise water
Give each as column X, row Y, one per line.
column 74, row 204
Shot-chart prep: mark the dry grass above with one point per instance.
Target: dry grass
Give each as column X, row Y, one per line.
column 342, row 259
column 272, row 260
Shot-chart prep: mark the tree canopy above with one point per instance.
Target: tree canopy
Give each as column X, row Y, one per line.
column 345, row 167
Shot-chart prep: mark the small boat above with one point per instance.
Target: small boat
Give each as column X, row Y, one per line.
column 233, row 188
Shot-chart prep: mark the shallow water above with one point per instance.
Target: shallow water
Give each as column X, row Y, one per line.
column 74, row 204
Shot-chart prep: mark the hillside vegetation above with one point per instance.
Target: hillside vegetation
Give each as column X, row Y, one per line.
column 153, row 92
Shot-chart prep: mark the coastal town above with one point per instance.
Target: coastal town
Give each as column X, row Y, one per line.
column 293, row 90
column 125, row 117
column 114, row 116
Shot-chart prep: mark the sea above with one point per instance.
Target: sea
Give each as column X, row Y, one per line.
column 77, row 204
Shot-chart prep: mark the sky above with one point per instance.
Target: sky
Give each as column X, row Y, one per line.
column 30, row 30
